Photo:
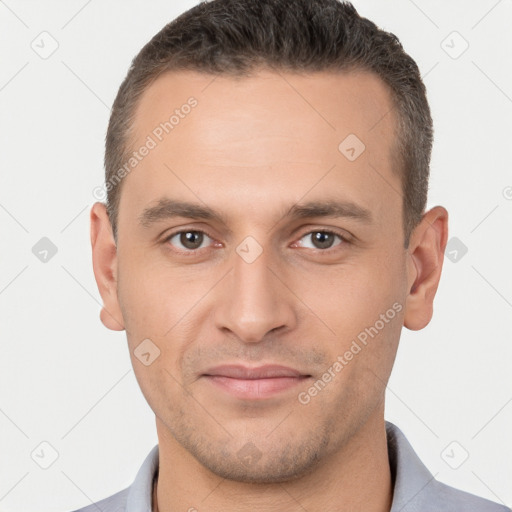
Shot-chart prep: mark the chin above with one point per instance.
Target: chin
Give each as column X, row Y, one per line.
column 278, row 463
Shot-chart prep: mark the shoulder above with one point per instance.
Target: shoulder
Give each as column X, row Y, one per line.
column 456, row 500
column 416, row 489
column 136, row 497
column 114, row 503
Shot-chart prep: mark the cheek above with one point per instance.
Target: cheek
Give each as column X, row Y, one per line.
column 163, row 306
column 351, row 297
column 158, row 384
column 367, row 325
column 151, row 296
column 360, row 308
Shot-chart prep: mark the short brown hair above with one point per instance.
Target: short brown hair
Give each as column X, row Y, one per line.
column 235, row 37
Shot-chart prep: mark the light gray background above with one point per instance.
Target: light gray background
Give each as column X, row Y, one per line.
column 66, row 380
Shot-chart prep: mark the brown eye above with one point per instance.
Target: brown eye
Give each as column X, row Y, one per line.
column 321, row 239
column 189, row 240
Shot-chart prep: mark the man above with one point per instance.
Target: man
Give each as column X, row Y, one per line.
column 263, row 243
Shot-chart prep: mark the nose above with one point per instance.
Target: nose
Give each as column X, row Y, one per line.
column 254, row 300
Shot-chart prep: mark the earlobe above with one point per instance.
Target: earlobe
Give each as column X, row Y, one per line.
column 424, row 264
column 104, row 257
column 108, row 320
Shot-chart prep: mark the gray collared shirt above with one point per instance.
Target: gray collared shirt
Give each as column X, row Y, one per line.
column 415, row 489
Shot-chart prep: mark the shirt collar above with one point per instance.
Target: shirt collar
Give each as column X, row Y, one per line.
column 140, row 493
column 410, row 476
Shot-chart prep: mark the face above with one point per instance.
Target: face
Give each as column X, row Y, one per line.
column 263, row 264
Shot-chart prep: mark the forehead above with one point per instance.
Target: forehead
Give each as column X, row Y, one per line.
column 268, row 138
column 331, row 103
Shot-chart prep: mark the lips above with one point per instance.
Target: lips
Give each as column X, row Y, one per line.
column 254, row 383
column 261, row 372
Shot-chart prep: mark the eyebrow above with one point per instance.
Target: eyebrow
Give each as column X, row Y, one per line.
column 167, row 208
column 331, row 208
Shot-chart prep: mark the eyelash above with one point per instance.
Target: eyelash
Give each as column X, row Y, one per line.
column 192, row 252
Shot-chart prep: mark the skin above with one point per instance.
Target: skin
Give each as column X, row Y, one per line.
column 251, row 149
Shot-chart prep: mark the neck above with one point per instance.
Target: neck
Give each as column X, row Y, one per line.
column 356, row 477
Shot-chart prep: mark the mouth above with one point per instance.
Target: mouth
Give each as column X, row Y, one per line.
column 256, row 383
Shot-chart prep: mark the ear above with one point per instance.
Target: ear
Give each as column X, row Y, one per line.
column 425, row 257
column 104, row 262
